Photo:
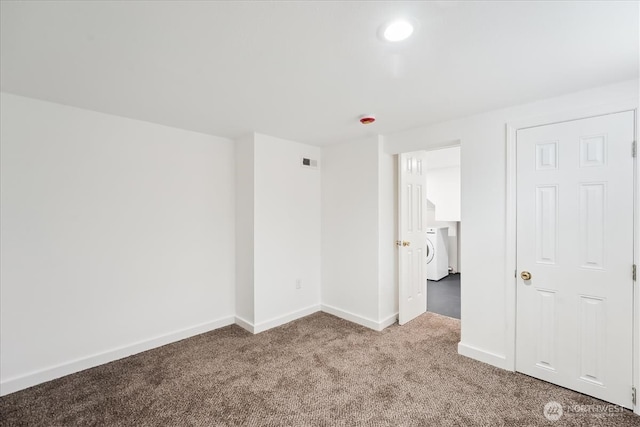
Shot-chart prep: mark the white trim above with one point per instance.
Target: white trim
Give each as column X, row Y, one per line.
column 510, row 252
column 428, row 147
column 421, row 146
column 281, row 320
column 481, row 355
column 244, row 324
column 636, row 260
column 385, row 323
column 629, row 104
column 360, row 320
column 37, row 377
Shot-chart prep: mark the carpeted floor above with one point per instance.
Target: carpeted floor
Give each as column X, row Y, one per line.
column 319, row 371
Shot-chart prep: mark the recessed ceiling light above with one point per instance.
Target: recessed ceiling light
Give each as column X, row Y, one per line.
column 397, row 31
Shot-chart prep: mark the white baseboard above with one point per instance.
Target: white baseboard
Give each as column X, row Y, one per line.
column 245, row 324
column 14, row 384
column 385, row 323
column 28, row 380
column 360, row 320
column 289, row 317
column 484, row 356
column 276, row 321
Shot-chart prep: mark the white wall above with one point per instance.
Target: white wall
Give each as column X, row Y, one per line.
column 278, row 232
column 443, row 193
column 244, row 253
column 116, row 236
column 358, row 198
column 443, row 190
column 443, row 183
column 287, row 231
column 485, row 319
column 387, row 213
column 350, row 230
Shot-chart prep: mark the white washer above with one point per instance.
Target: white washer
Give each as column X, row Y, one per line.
column 437, row 253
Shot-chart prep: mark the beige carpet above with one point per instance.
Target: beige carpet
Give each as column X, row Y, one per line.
column 319, row 371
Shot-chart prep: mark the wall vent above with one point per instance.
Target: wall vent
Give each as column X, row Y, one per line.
column 306, row 162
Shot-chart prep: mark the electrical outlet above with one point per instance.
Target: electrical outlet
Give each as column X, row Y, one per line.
column 298, row 283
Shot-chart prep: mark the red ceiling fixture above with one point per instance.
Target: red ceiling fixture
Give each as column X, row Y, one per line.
column 367, row 120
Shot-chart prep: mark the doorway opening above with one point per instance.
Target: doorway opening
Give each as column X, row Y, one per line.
column 429, row 232
column 443, row 231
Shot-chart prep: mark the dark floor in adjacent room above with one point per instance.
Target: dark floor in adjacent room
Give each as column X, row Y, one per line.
column 316, row 371
column 443, row 296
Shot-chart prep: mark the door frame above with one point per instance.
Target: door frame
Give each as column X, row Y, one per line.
column 510, row 221
column 422, row 146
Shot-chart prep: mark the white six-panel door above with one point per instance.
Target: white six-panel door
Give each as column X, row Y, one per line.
column 575, row 238
column 412, row 196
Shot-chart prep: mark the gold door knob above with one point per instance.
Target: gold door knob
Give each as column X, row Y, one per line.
column 525, row 275
column 405, row 243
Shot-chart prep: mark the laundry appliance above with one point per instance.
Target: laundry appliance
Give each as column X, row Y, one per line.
column 437, row 253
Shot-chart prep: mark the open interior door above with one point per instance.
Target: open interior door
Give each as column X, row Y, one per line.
column 412, row 233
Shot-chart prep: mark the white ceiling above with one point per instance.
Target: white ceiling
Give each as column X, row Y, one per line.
column 306, row 70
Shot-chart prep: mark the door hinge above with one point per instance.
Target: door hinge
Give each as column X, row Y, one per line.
column 633, row 149
column 633, row 272
column 633, row 395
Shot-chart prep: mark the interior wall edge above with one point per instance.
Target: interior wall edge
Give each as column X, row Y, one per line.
column 360, row 320
column 245, row 324
column 286, row 318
